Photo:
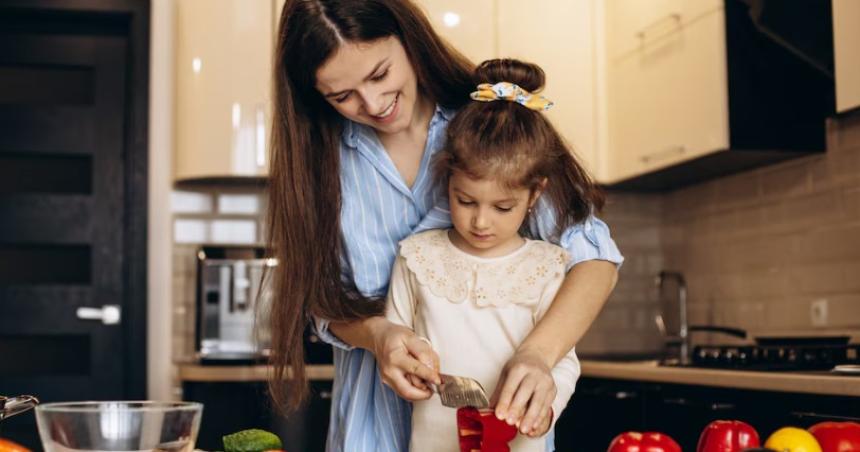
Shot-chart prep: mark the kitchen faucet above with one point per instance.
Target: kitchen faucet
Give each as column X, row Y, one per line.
column 682, row 339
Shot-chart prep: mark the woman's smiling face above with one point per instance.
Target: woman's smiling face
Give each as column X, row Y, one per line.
column 371, row 83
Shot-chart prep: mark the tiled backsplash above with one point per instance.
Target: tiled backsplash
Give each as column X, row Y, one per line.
column 757, row 248
column 225, row 216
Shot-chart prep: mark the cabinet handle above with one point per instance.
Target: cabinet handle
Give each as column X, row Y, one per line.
column 675, row 18
column 716, row 406
column 622, row 395
column 664, row 154
column 680, row 401
column 820, row 416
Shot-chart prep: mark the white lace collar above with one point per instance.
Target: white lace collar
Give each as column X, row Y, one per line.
column 519, row 277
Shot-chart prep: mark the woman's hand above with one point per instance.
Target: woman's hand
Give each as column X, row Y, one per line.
column 525, row 393
column 405, row 361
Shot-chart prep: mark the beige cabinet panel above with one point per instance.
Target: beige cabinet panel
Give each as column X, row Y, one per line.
column 223, row 71
column 846, row 48
column 668, row 100
column 467, row 25
column 559, row 36
column 630, row 24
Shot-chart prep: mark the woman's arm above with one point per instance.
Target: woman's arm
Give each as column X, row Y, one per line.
column 398, row 352
column 526, row 375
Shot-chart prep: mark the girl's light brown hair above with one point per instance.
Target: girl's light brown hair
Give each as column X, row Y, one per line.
column 518, row 147
column 304, row 182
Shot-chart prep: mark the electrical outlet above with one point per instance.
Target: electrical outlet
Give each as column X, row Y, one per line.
column 818, row 312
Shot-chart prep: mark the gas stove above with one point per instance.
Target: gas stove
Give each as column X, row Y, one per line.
column 775, row 357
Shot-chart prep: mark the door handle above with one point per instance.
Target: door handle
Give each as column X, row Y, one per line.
column 109, row 314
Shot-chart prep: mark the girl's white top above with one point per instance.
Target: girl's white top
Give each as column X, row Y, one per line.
column 476, row 312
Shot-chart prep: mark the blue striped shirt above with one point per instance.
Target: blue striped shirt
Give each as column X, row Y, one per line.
column 378, row 211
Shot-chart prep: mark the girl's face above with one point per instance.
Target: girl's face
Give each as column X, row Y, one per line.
column 486, row 215
column 371, row 83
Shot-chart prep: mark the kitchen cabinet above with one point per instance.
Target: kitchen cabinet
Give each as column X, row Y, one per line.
column 698, row 89
column 667, row 87
column 562, row 43
column 599, row 410
column 602, row 408
column 233, row 406
column 561, row 40
column 846, row 48
column 469, row 27
column 223, row 70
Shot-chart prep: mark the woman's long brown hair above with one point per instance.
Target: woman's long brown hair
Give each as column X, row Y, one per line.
column 518, row 147
column 304, row 182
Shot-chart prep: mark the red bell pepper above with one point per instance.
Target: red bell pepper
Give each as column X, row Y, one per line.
column 481, row 430
column 727, row 436
column 643, row 442
column 837, row 436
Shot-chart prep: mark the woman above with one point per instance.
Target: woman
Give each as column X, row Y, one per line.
column 364, row 90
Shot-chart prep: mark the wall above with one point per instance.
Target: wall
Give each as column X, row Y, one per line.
column 626, row 323
column 159, row 243
column 759, row 247
column 222, row 215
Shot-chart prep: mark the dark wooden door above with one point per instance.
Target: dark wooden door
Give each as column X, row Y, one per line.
column 70, row 204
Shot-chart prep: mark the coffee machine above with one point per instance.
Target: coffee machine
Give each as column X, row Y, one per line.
column 232, row 305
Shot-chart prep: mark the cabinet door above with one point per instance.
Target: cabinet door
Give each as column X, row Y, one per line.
column 631, row 24
column 223, row 72
column 468, row 26
column 562, row 43
column 668, row 99
column 846, row 48
column 598, row 411
column 682, row 412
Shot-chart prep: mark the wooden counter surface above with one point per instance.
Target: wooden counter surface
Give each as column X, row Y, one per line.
column 198, row 373
column 800, row 382
column 816, row 382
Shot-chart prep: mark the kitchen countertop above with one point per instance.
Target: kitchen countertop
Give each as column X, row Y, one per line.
column 198, row 373
column 821, row 382
column 800, row 382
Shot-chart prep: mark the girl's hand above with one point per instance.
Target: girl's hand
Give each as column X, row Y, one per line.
column 525, row 393
column 401, row 357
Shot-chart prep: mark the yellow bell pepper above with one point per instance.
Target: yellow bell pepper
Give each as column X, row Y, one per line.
column 792, row 439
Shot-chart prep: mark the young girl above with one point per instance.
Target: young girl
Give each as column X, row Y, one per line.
column 477, row 290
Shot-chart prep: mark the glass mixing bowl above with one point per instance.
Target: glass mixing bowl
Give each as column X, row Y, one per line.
column 118, row 426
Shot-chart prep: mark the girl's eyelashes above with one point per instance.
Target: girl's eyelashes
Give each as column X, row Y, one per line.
column 503, row 209
column 463, row 202
column 342, row 99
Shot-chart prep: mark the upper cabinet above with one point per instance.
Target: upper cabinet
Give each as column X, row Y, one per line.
column 469, row 26
column 223, row 70
column 702, row 88
column 846, row 42
column 557, row 35
column 561, row 40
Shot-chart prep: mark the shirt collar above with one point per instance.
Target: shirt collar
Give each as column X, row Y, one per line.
column 353, row 130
